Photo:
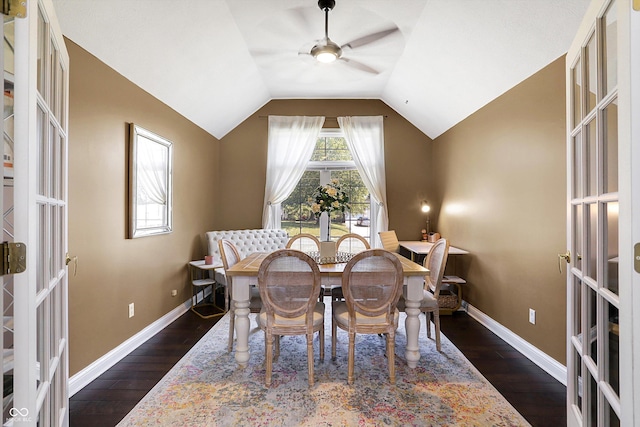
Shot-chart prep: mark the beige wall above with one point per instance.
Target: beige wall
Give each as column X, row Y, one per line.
column 114, row 271
column 500, row 179
column 244, row 155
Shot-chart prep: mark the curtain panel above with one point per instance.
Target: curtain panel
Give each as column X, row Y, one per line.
column 365, row 139
column 291, row 142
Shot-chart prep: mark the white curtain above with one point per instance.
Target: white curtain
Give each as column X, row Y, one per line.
column 365, row 139
column 291, row 143
column 152, row 172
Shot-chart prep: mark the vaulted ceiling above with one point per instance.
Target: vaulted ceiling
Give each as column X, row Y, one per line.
column 217, row 61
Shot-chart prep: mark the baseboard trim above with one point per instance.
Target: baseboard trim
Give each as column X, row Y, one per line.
column 554, row 368
column 97, row 368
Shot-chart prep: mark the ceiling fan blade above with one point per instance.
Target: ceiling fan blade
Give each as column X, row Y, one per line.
column 371, row 38
column 359, row 66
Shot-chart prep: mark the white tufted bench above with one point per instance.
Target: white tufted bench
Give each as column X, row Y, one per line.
column 247, row 242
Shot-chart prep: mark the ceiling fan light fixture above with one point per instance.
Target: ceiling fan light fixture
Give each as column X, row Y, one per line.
column 326, row 52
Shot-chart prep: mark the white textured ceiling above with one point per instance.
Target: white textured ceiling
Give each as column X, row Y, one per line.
column 217, row 61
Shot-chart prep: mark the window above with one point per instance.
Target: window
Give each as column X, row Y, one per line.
column 331, row 159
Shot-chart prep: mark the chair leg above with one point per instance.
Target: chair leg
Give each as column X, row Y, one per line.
column 277, row 339
column 436, row 321
column 321, row 332
column 232, row 321
column 391, row 356
column 268, row 357
column 333, row 338
column 428, row 323
column 352, row 354
column 310, row 357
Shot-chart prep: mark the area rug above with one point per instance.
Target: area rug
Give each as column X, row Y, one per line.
column 206, row 388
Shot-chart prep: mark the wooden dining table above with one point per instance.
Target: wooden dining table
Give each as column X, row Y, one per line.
column 245, row 274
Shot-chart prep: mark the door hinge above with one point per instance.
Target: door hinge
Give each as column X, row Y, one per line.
column 14, row 258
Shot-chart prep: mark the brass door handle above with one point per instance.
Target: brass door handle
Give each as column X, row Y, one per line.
column 68, row 259
column 566, row 257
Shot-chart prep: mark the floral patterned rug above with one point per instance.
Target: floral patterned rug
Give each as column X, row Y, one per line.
column 206, row 388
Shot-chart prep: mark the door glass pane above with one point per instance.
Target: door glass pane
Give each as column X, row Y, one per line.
column 577, row 166
column 592, row 322
column 578, row 250
column 591, row 74
column 53, row 89
column 576, row 77
column 610, row 142
column 612, row 348
column 614, row 421
column 578, row 380
column 577, row 307
column 611, row 247
column 592, row 403
column 591, row 246
column 610, row 48
column 591, row 156
column 42, row 151
column 41, row 278
column 40, row 343
column 42, row 40
column 50, row 158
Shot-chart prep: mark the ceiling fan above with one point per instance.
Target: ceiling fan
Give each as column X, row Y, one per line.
column 326, row 50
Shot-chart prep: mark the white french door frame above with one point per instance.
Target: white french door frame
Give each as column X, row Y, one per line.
column 579, row 326
column 41, row 218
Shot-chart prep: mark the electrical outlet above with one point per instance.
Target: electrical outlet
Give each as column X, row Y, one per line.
column 131, row 310
column 174, row 292
column 532, row 316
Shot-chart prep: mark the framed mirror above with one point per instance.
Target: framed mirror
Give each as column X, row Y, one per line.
column 150, row 183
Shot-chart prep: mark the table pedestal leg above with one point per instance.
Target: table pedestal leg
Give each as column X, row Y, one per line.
column 412, row 326
column 242, row 324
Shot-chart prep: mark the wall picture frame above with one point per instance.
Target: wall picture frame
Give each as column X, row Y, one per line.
column 150, row 183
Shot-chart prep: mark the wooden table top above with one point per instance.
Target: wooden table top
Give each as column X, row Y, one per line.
column 250, row 265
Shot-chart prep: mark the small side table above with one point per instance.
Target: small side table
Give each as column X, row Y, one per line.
column 200, row 273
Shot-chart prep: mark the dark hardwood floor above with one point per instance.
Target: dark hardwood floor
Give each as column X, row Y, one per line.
column 105, row 401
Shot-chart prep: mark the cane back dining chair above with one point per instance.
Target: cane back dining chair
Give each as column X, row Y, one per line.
column 435, row 261
column 304, row 242
column 230, row 257
column 389, row 240
column 351, row 243
column 289, row 284
column 371, row 283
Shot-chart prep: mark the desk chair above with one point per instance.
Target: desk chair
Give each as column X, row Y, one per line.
column 389, row 240
column 372, row 284
column 289, row 284
column 435, row 261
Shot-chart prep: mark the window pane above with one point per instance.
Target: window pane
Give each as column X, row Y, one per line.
column 610, row 163
column 358, row 219
column 576, row 77
column 42, row 151
column 297, row 216
column 610, row 48
column 611, row 247
column 331, row 148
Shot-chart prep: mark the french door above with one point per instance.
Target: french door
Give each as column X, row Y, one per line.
column 600, row 280
column 36, row 67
